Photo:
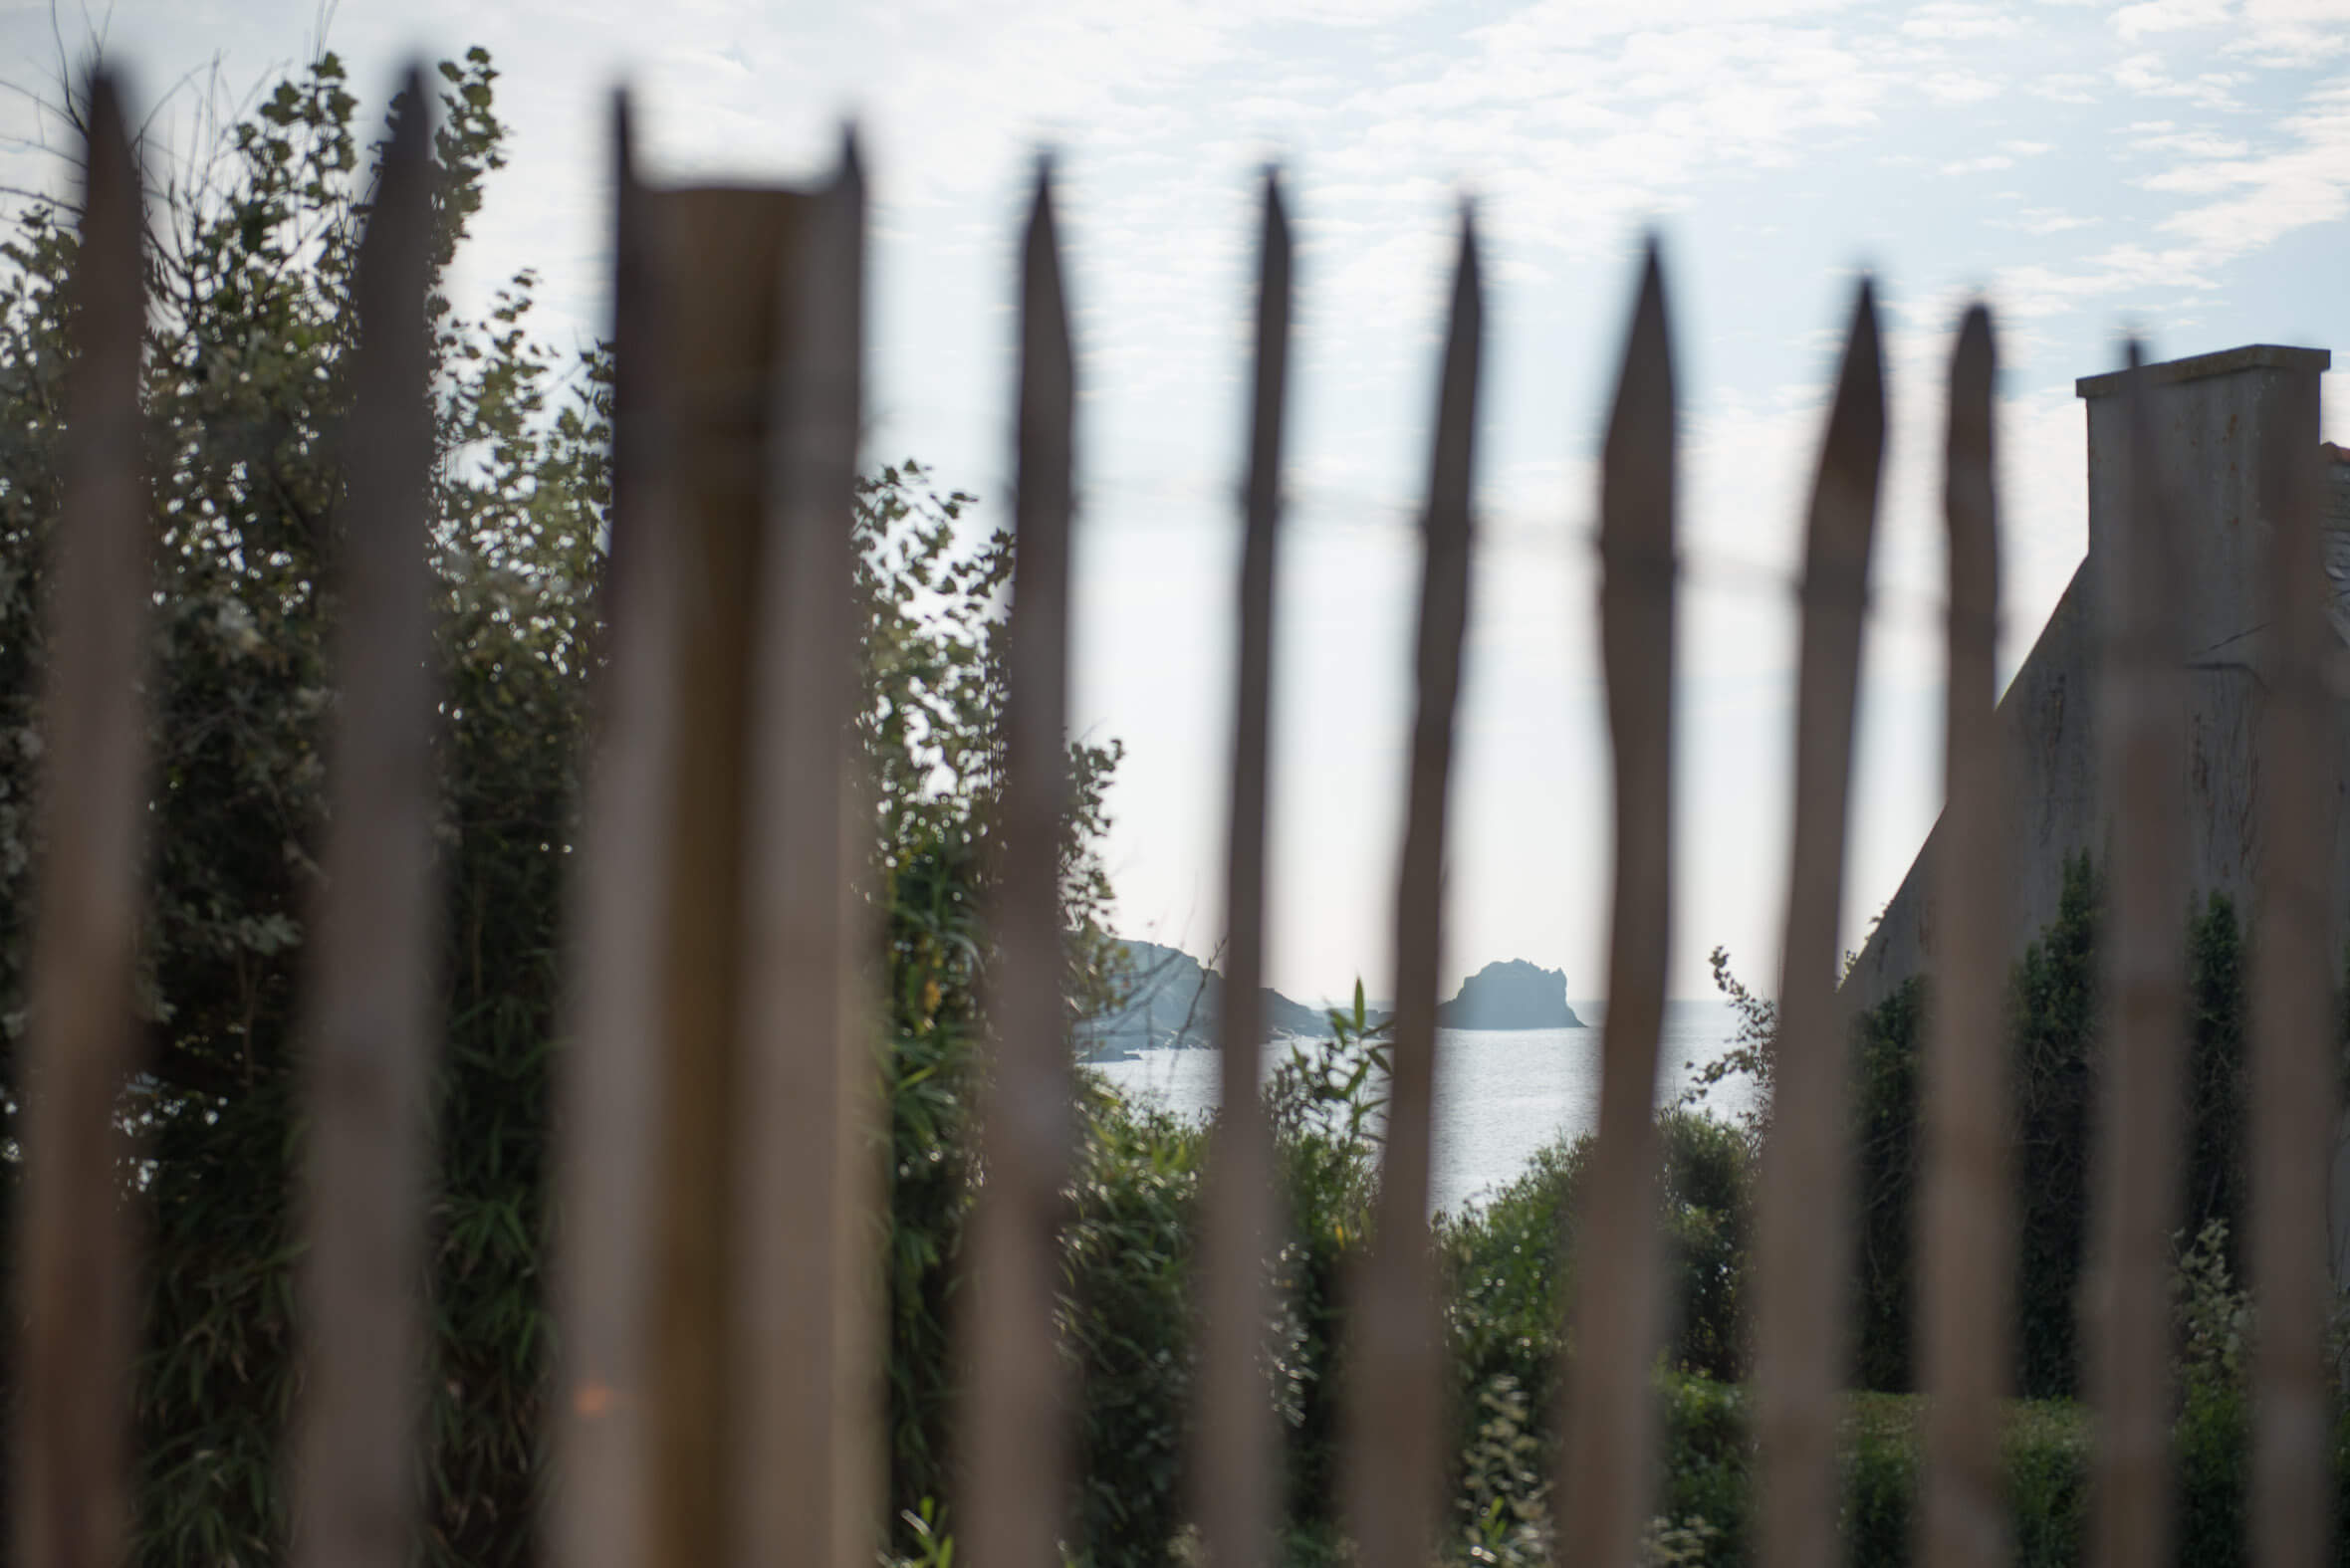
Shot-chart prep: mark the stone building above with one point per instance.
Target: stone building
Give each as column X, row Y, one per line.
column 2225, row 423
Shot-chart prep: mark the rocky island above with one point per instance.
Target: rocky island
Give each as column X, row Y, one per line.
column 1511, row 996
column 1174, row 1001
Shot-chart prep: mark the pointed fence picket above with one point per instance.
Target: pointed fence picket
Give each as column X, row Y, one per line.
column 1605, row 1460
column 2128, row 1311
column 1018, row 1447
column 718, row 1388
column 1395, row 1389
column 1802, row 1237
column 78, row 1306
column 1236, row 1455
column 1963, row 1303
column 373, row 1022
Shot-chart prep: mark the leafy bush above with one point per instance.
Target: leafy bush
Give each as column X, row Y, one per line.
column 1886, row 1155
column 2052, row 1015
column 1325, row 1103
column 245, row 393
column 1127, row 1320
column 2053, row 1023
column 245, row 389
column 1503, row 1504
column 1704, row 1507
column 1512, row 1278
column 1126, row 1313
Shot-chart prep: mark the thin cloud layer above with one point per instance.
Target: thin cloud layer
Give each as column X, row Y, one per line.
column 2183, row 166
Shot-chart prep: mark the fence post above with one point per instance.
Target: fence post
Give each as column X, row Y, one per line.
column 1607, row 1464
column 1395, row 1394
column 80, row 1317
column 806, row 1449
column 1015, row 1430
column 1803, row 1246
column 1235, row 1457
column 2129, row 1336
column 727, row 259
column 1966, row 1213
column 372, row 1024
column 2294, row 1092
column 609, row 1079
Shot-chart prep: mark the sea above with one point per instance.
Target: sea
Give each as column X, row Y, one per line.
column 1501, row 1096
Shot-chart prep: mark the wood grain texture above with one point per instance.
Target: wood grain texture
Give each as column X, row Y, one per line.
column 2136, row 1191
column 608, row 1080
column 1802, row 1229
column 71, row 1496
column 1395, row 1394
column 2294, row 1096
column 725, row 253
column 1016, row 1443
column 1966, row 1209
column 372, row 1028
column 806, row 1451
column 1607, row 1459
column 1236, row 1459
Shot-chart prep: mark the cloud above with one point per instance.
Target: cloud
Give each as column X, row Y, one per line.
column 1779, row 126
column 2262, row 198
column 2170, row 16
column 2033, row 291
column 2291, row 33
column 2191, row 143
column 1960, row 87
column 2046, row 220
column 2143, row 73
column 1958, row 19
column 2067, row 86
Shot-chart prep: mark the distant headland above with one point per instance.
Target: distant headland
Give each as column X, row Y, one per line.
column 1511, row 996
column 1173, row 1001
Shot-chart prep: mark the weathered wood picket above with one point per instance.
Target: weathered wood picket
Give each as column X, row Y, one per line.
column 716, row 1281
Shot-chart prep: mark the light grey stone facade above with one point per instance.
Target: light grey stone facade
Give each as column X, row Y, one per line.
column 2223, row 421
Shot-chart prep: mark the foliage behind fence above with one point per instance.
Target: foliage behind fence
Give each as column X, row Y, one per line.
column 259, row 475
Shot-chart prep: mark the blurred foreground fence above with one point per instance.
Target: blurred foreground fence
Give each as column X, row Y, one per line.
column 718, row 1286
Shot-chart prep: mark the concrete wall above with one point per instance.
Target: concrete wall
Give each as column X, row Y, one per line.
column 2223, row 422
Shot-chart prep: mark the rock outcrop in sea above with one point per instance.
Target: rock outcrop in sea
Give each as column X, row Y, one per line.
column 1173, row 1001
column 1511, row 996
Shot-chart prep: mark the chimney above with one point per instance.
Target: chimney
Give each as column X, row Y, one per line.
column 2225, row 423
column 2225, row 426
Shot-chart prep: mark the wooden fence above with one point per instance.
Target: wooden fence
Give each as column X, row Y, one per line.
column 719, row 1392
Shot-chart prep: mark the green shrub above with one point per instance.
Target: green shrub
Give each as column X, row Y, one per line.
column 2056, row 1042
column 1127, row 1320
column 1512, row 1278
column 2052, row 1013
column 1509, row 1273
column 1502, row 1506
column 1323, row 1103
column 2219, row 1080
column 1885, row 1066
column 2212, row 1449
column 245, row 385
column 2047, row 1456
column 1881, row 1468
column 245, row 391
column 1708, row 1458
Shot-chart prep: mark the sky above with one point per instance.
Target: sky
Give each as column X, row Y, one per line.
column 2179, row 168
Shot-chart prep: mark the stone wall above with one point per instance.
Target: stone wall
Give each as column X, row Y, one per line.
column 2223, row 421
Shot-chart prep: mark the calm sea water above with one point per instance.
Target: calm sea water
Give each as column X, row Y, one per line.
column 1500, row 1094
